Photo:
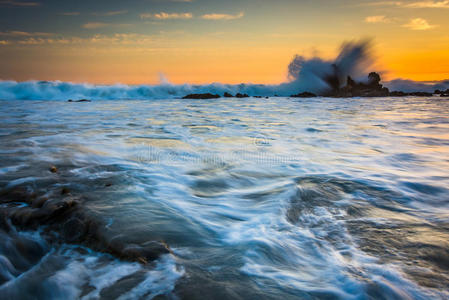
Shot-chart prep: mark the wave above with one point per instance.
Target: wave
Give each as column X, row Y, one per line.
column 314, row 75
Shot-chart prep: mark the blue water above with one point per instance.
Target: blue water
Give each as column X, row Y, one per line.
column 257, row 198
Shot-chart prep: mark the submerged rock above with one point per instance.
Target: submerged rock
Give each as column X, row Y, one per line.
column 64, row 219
column 304, row 95
column 238, row 95
column 80, row 100
column 201, row 96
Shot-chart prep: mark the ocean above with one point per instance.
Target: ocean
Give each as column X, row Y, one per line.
column 277, row 198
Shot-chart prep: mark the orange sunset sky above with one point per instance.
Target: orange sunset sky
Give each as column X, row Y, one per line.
column 201, row 41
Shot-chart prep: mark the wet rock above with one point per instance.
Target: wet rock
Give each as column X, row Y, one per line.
column 201, row 96
column 398, row 94
column 53, row 169
column 108, row 184
column 65, row 191
column 304, row 95
column 228, row 95
column 74, row 230
column 416, row 94
column 420, row 94
column 38, row 202
column 145, row 253
column 80, row 100
column 238, row 95
column 18, row 194
column 56, row 209
column 4, row 223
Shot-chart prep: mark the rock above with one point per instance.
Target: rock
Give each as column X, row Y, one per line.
column 74, row 230
column 80, row 100
column 65, row 191
column 238, row 95
column 398, row 94
column 416, row 94
column 53, row 169
column 227, row 95
column 201, row 96
column 108, row 184
column 304, row 95
column 420, row 94
column 148, row 252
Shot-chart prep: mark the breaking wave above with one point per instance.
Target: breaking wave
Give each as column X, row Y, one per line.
column 314, row 75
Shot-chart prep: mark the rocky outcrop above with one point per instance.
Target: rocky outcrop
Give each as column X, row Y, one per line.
column 80, row 100
column 227, row 95
column 201, row 96
column 372, row 88
column 238, row 95
column 442, row 93
column 62, row 217
column 304, row 95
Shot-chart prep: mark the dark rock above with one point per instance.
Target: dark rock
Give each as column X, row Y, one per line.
column 238, row 95
column 80, row 100
column 201, row 96
column 74, row 230
column 148, row 252
column 398, row 94
column 65, row 191
column 420, row 94
column 227, row 95
column 53, row 169
column 108, row 184
column 304, row 95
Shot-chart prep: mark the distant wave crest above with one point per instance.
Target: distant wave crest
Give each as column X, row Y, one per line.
column 314, row 75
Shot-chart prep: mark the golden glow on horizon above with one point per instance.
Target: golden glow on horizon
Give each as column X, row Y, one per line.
column 252, row 48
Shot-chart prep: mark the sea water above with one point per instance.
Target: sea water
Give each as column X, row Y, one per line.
column 276, row 198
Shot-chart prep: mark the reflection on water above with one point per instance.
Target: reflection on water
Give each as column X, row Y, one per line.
column 258, row 198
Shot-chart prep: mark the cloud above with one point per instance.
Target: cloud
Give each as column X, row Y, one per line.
column 111, row 13
column 166, row 16
column 377, row 19
column 429, row 4
column 24, row 34
column 417, row 4
column 95, row 25
column 72, row 13
column 419, row 24
column 3, row 42
column 215, row 16
column 19, row 3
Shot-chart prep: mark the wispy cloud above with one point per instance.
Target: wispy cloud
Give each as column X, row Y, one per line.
column 429, row 4
column 215, row 16
column 377, row 19
column 417, row 4
column 24, row 34
column 167, row 16
column 95, row 25
column 2, row 42
column 19, row 3
column 111, row 13
column 419, row 24
column 70, row 13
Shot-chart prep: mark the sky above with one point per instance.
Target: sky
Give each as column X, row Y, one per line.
column 203, row 41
